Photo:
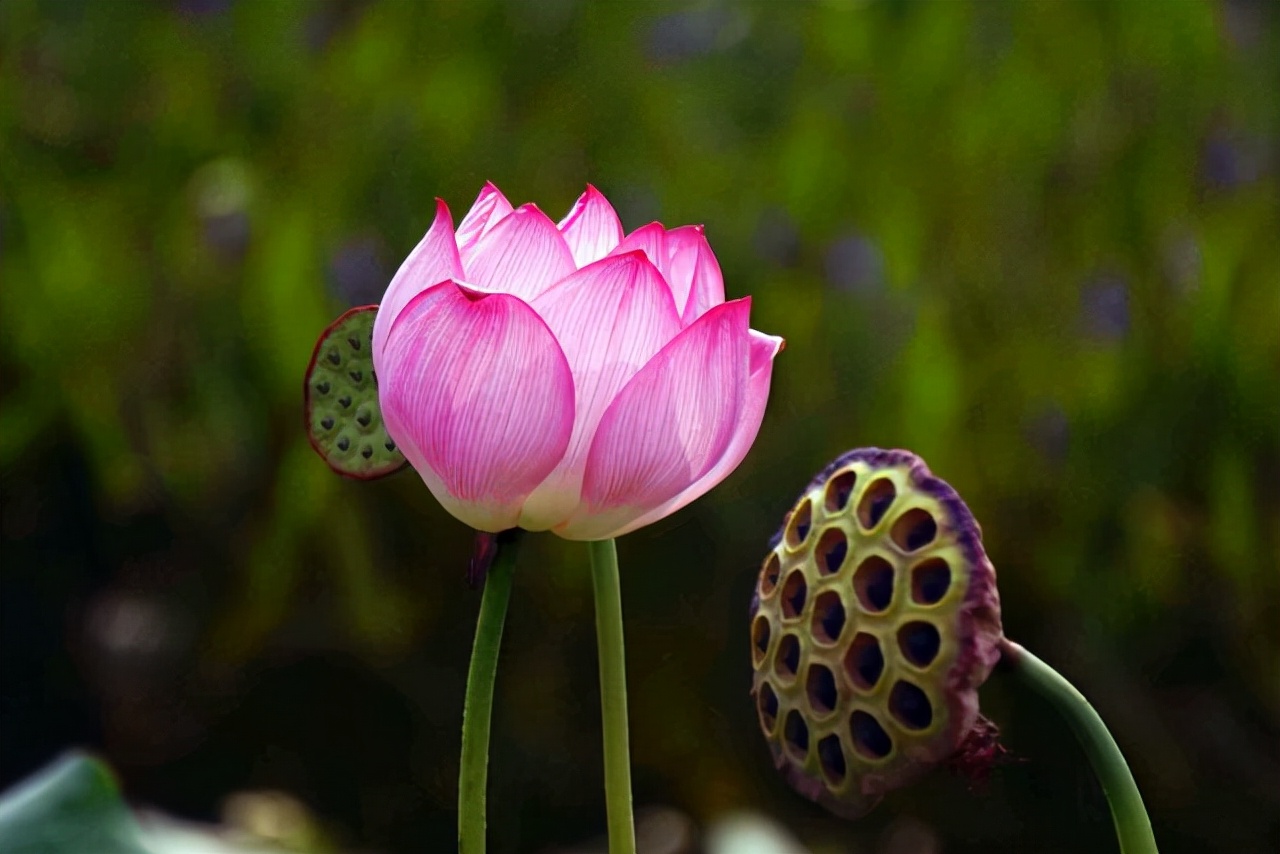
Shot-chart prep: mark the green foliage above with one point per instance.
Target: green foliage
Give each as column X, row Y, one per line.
column 1033, row 242
column 70, row 806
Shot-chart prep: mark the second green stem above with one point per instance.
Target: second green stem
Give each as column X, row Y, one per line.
column 1133, row 827
column 613, row 695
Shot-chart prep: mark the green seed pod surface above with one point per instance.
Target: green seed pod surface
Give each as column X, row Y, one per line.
column 344, row 421
column 875, row 620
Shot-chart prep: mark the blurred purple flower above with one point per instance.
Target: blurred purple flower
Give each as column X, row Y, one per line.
column 358, row 271
column 1104, row 308
column 227, row 234
column 202, row 8
column 855, row 264
column 697, row 32
column 327, row 20
column 1227, row 162
column 1243, row 22
column 221, row 191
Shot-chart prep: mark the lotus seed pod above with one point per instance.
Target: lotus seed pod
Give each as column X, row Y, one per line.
column 344, row 421
column 874, row 621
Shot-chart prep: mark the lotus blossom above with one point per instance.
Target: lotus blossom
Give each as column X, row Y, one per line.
column 566, row 377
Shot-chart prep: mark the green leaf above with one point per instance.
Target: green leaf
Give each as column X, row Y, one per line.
column 71, row 806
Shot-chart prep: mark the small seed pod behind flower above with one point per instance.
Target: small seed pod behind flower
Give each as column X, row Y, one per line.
column 340, row 399
column 874, row 621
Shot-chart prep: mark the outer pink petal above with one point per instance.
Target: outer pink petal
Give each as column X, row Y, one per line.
column 650, row 239
column 522, row 255
column 477, row 393
column 610, row 318
column 433, row 260
column 489, row 209
column 693, row 271
column 763, row 350
column 669, row 426
column 591, row 228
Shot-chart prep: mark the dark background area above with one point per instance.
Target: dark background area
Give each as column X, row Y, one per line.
column 1034, row 242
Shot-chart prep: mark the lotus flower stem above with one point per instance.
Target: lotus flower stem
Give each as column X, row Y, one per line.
column 613, row 695
column 477, row 709
column 1133, row 827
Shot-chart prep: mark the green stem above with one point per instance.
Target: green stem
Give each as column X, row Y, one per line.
column 1133, row 827
column 473, row 771
column 613, row 696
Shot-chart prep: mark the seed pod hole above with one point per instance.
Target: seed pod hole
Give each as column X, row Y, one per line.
column 794, row 590
column 767, row 705
column 839, row 488
column 919, row 642
column 820, row 688
column 910, row 706
column 831, row 758
column 869, row 738
column 759, row 638
column 799, row 524
column 831, row 551
column 873, row 584
column 864, row 662
column 875, row 502
column 787, row 659
column 769, row 574
column 930, row 580
column 795, row 735
column 828, row 617
column 914, row 529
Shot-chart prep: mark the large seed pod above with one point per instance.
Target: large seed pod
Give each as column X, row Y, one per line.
column 874, row 621
column 344, row 421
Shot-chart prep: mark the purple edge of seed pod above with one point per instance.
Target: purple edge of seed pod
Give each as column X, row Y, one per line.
column 978, row 630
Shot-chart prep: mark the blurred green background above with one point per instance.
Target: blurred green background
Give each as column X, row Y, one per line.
column 1034, row 242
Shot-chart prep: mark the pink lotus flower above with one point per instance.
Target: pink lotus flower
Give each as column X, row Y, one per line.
column 566, row 377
